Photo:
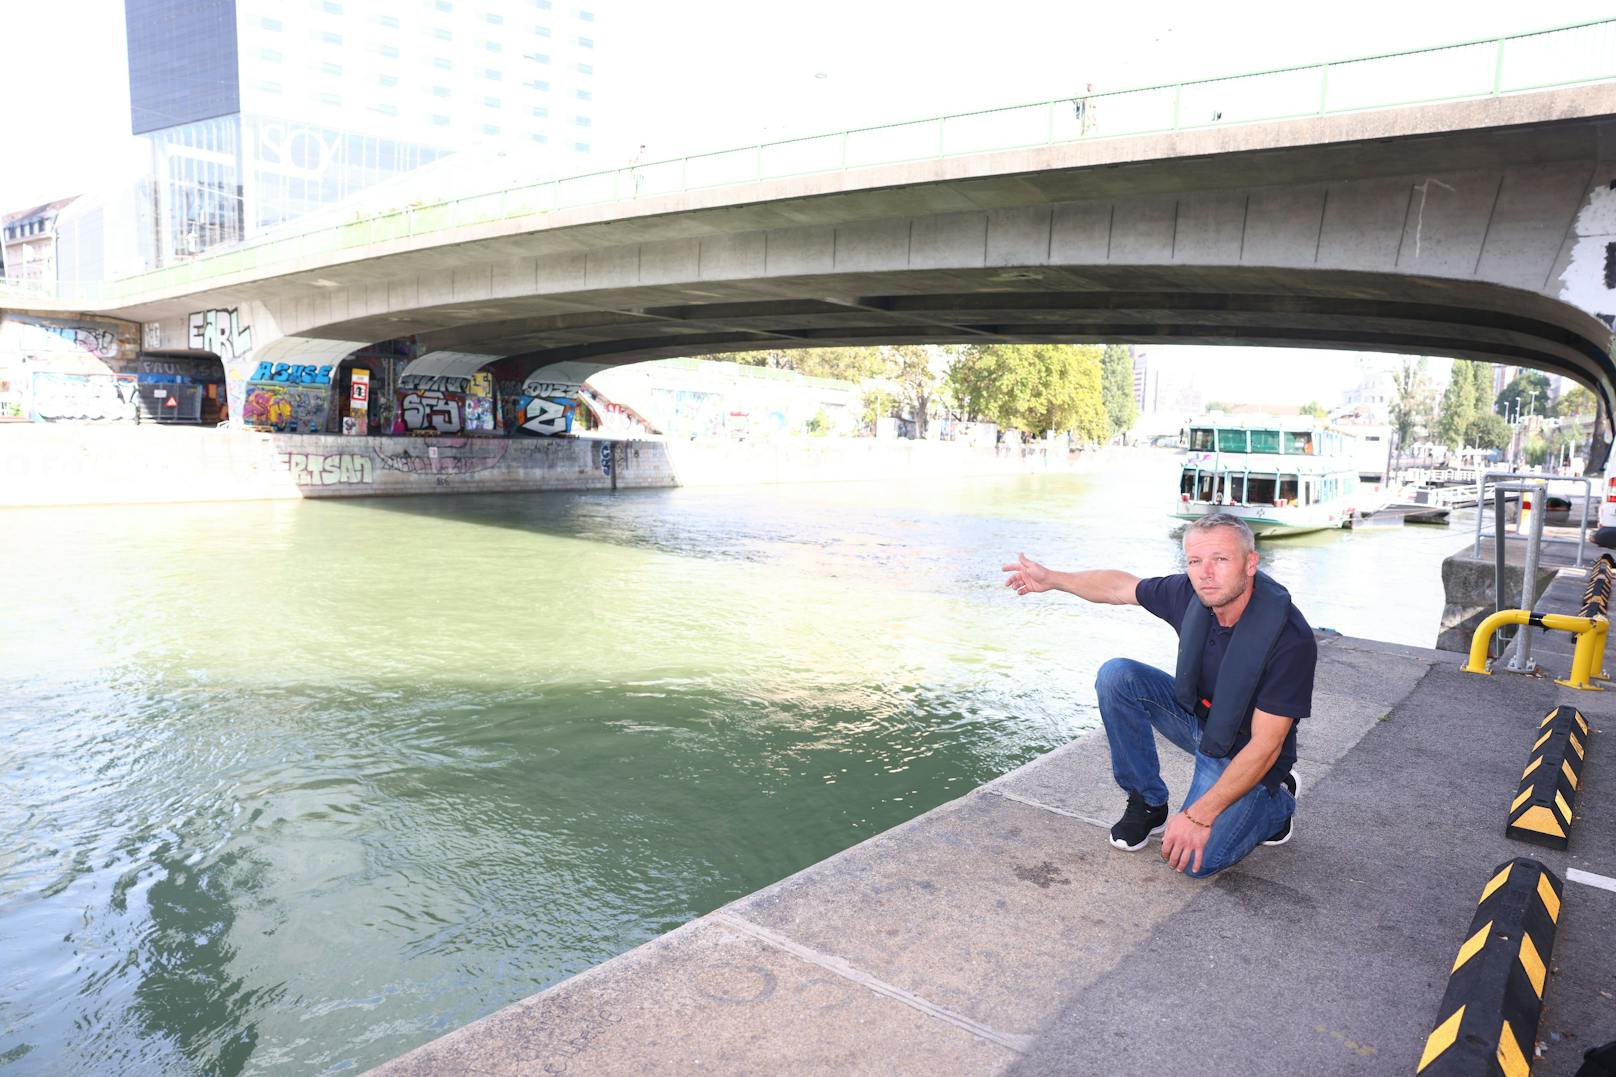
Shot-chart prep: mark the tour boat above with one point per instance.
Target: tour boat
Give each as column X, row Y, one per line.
column 1284, row 476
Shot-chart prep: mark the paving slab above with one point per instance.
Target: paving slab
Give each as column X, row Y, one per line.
column 993, row 911
column 707, row 998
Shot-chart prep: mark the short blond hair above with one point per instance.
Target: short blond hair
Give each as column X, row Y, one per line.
column 1214, row 520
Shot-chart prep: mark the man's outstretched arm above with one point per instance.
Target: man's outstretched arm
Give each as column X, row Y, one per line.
column 1108, row 585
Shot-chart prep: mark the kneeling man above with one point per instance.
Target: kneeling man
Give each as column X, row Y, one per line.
column 1244, row 678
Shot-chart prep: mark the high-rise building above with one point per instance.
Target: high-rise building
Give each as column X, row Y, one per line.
column 258, row 112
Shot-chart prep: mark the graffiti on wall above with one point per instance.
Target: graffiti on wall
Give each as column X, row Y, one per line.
column 547, row 408
column 328, row 469
column 59, row 397
column 432, row 403
column 455, row 456
column 292, row 374
column 31, row 338
column 431, row 411
column 220, row 332
column 286, row 409
column 480, row 402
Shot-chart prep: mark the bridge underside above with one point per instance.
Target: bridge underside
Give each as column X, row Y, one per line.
column 1088, row 304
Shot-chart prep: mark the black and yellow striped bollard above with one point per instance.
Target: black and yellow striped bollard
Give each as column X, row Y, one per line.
column 1487, row 1023
column 1541, row 810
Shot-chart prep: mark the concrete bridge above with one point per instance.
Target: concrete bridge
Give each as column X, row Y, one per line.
column 1482, row 229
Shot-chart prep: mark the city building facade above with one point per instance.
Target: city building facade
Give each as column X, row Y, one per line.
column 255, row 113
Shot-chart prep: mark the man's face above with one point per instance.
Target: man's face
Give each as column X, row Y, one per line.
column 1218, row 569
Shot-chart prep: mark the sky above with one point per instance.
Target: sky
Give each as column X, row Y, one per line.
column 680, row 76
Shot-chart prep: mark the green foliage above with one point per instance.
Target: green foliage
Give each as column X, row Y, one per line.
column 1485, row 374
column 1116, row 388
column 1527, row 392
column 1033, row 387
column 1458, row 407
column 878, row 404
column 1488, row 432
column 1315, row 409
column 1414, row 403
column 819, row 425
column 912, row 367
column 1576, row 401
column 849, row 364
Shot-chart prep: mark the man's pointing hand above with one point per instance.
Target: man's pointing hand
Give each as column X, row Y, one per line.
column 1027, row 576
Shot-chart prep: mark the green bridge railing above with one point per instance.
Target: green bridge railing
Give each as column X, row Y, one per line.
column 1564, row 56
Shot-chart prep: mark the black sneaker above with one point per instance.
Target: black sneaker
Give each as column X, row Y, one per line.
column 1138, row 823
column 1282, row 835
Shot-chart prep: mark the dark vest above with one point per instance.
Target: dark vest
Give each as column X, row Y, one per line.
column 1238, row 678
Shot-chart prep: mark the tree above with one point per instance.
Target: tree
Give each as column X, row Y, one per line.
column 1489, row 432
column 1116, row 388
column 912, row 369
column 1411, row 408
column 1576, row 401
column 1315, row 409
column 1485, row 375
column 849, row 364
column 1526, row 393
column 878, row 404
column 1458, row 406
column 1032, row 387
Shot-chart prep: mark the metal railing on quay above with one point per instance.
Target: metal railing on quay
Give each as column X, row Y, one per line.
column 1579, row 54
column 1587, row 502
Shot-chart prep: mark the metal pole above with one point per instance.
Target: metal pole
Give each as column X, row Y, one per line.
column 1522, row 661
column 1499, row 538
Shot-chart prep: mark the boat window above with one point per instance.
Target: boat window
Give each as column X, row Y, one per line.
column 1287, row 488
column 1299, row 441
column 1201, row 439
column 1186, row 484
column 1203, row 486
column 1237, row 489
column 1265, row 441
column 1311, row 491
column 1231, row 441
column 1260, row 489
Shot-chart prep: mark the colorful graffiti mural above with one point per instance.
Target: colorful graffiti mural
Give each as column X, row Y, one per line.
column 480, row 403
column 286, row 409
column 545, row 416
column 292, row 374
column 58, row 397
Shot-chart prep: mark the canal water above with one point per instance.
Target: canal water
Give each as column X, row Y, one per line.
column 294, row 787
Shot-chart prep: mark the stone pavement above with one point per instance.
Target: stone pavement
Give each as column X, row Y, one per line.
column 1000, row 933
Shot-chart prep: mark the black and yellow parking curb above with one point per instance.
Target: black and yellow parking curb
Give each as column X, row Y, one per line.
column 1487, row 1023
column 1541, row 810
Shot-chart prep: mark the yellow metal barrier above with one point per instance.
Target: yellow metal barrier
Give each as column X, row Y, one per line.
column 1587, row 661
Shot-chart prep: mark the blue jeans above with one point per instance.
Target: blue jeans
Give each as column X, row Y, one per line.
column 1134, row 699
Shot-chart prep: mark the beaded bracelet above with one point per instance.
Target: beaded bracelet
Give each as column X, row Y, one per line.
column 1186, row 814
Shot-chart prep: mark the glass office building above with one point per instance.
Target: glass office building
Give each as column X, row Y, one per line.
column 258, row 112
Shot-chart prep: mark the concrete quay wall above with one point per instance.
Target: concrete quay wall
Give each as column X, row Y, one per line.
column 43, row 465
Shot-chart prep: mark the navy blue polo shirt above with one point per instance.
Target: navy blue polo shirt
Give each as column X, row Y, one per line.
column 1286, row 687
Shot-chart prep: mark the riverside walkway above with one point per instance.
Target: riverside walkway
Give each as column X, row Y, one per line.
column 1000, row 933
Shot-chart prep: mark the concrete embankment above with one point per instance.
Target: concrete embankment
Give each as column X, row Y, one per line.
column 1000, row 933
column 44, row 465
